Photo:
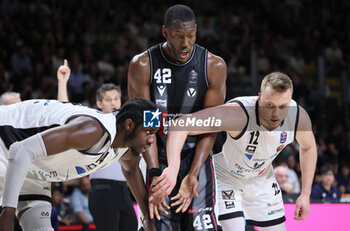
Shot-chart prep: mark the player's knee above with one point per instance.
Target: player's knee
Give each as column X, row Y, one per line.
column 37, row 219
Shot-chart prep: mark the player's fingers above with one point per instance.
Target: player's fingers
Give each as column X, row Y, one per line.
column 65, row 63
column 176, row 197
column 296, row 212
column 177, row 202
column 156, row 213
column 179, row 208
column 162, row 209
column 186, row 203
column 158, row 185
column 151, row 211
column 165, row 205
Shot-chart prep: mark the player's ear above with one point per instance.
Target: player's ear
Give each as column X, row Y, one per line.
column 99, row 104
column 129, row 125
column 259, row 96
column 164, row 32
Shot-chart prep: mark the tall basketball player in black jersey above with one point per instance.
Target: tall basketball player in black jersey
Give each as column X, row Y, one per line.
column 181, row 77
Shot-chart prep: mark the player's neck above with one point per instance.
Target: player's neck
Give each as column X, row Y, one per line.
column 119, row 139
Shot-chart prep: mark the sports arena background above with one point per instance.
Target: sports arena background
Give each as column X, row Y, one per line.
column 307, row 39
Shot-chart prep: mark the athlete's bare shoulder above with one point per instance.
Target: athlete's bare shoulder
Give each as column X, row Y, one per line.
column 139, row 76
column 217, row 72
column 141, row 59
column 216, row 61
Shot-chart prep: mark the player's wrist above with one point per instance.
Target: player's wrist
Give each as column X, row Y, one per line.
column 154, row 173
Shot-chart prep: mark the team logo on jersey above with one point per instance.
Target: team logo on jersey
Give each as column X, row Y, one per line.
column 283, row 137
column 191, row 92
column 193, row 77
column 228, row 195
column 279, row 148
column 161, row 89
column 229, row 204
column 151, row 118
column 80, row 170
column 249, row 156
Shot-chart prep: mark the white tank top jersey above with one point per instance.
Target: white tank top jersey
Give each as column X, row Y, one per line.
column 250, row 154
column 21, row 120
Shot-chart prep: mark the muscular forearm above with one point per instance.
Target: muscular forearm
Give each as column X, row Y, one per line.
column 308, row 160
column 203, row 149
column 138, row 188
column 151, row 156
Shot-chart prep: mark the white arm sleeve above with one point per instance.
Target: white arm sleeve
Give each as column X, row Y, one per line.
column 20, row 158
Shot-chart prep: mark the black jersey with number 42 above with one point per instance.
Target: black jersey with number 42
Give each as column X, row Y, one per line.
column 178, row 89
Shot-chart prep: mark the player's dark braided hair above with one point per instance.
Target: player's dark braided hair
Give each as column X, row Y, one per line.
column 133, row 109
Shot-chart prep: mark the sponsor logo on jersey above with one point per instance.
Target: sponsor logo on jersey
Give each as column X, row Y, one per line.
column 283, row 137
column 44, row 176
column 237, row 173
column 53, row 174
column 151, row 118
column 47, row 102
column 206, row 209
column 275, row 211
column 274, row 203
column 279, row 148
column 250, row 149
column 161, row 89
column 191, row 92
column 80, row 170
column 193, row 77
column 229, row 204
column 249, row 156
column 227, row 195
column 162, row 103
column 261, row 171
column 255, row 166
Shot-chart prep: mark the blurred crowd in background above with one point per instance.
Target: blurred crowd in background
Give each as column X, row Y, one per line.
column 308, row 40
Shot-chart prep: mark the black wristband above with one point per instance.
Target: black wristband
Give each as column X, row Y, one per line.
column 154, row 172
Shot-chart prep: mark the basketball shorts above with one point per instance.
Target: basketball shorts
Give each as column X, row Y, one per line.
column 258, row 199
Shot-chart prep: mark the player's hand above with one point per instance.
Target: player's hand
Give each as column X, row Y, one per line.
column 63, row 73
column 164, row 184
column 187, row 191
column 6, row 219
column 157, row 204
column 148, row 224
column 302, row 207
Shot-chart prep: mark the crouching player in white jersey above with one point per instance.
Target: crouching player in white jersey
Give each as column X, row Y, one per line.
column 47, row 140
column 257, row 129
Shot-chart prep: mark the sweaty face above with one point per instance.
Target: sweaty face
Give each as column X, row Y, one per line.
column 273, row 107
column 110, row 101
column 140, row 139
column 180, row 39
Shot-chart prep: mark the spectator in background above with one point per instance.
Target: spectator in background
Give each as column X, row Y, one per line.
column 64, row 213
column 21, row 62
column 325, row 191
column 343, row 178
column 10, row 98
column 281, row 174
column 79, row 202
column 77, row 79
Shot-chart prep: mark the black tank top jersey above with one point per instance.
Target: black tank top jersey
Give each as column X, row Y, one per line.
column 178, row 88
